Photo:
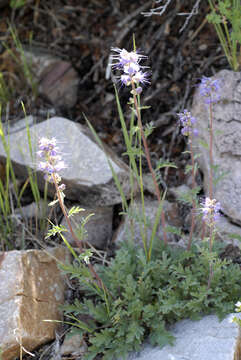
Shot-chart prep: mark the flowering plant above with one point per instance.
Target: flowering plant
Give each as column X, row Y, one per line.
column 134, row 76
column 140, row 291
column 51, row 166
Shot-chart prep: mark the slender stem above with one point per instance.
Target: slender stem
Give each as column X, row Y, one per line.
column 193, row 199
column 210, row 250
column 203, row 230
column 210, row 185
column 211, row 238
column 77, row 241
column 148, row 158
column 144, row 233
column 211, row 152
column 210, row 275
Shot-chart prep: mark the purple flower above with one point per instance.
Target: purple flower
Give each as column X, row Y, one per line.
column 141, row 77
column 125, row 79
column 125, row 57
column 131, row 68
column 53, row 162
column 129, row 63
column 210, row 90
column 49, row 145
column 211, row 210
column 187, row 121
column 139, row 90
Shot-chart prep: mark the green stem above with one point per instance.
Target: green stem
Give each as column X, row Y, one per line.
column 211, row 151
column 211, row 238
column 193, row 200
column 148, row 158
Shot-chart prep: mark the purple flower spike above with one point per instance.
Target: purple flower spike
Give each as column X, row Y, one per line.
column 210, row 90
column 187, row 121
column 53, row 161
column 129, row 63
column 211, row 210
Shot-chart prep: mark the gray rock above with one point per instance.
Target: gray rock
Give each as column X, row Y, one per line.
column 40, row 211
column 179, row 191
column 88, row 177
column 55, row 78
column 98, row 228
column 226, row 142
column 124, row 231
column 14, row 127
column 207, row 339
column 74, row 345
column 227, row 232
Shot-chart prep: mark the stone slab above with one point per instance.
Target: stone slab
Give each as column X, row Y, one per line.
column 31, row 290
column 207, row 339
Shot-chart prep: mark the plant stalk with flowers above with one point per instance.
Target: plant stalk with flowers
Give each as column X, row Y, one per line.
column 187, row 121
column 51, row 165
column 210, row 91
column 133, row 76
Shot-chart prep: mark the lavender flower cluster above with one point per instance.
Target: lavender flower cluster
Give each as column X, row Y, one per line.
column 210, row 90
column 53, row 162
column 211, row 210
column 129, row 63
column 187, row 121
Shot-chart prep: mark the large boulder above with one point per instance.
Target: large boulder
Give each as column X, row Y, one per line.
column 31, row 291
column 88, row 177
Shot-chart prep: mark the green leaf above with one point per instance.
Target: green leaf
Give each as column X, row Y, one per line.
column 135, row 332
column 16, row 4
column 196, row 156
column 235, row 236
column 188, row 168
column 149, row 129
column 203, row 143
column 56, row 229
column 165, row 164
column 75, row 210
column 173, row 230
column 159, row 336
column 52, row 203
